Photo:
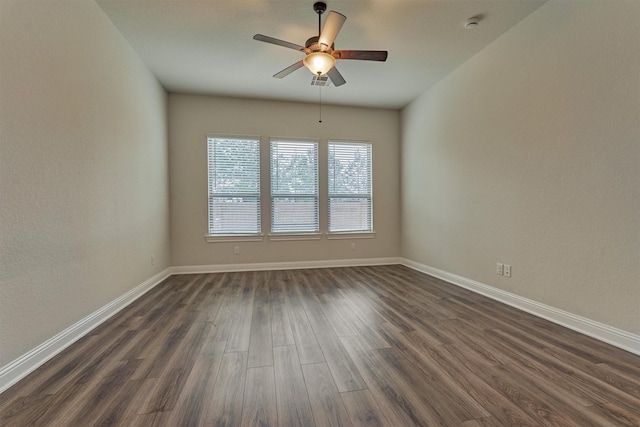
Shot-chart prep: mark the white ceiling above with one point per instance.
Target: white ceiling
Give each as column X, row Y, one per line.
column 206, row 47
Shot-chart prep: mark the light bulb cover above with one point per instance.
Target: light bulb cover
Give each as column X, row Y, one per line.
column 319, row 63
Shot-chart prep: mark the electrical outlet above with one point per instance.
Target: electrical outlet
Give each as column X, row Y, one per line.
column 236, row 250
column 507, row 270
column 353, row 246
column 153, row 260
column 499, row 269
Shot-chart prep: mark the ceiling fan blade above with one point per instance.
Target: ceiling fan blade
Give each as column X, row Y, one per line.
column 332, row 25
column 336, row 77
column 278, row 42
column 363, row 55
column 290, row 69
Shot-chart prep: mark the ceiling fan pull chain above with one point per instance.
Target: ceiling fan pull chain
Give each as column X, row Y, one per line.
column 320, row 92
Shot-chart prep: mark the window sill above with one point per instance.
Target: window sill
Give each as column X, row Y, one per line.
column 234, row 238
column 352, row 235
column 290, row 237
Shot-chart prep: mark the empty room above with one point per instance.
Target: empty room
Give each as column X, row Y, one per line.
column 281, row 212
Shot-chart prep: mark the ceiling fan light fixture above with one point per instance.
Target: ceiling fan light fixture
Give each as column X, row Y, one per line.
column 319, row 63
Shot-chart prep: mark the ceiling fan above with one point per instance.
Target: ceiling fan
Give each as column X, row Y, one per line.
column 320, row 56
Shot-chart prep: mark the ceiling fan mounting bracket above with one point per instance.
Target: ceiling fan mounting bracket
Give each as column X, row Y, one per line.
column 320, row 7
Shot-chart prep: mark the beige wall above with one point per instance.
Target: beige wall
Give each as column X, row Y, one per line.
column 192, row 117
column 83, row 169
column 529, row 155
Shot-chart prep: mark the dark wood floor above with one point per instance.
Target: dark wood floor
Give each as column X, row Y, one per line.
column 346, row 346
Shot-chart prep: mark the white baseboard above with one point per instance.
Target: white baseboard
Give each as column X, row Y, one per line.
column 27, row 363
column 616, row 337
column 30, row 361
column 289, row 265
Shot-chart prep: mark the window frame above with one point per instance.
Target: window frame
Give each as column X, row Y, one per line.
column 350, row 233
column 211, row 236
column 292, row 234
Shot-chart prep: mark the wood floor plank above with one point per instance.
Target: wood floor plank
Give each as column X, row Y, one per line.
column 441, row 404
column 341, row 327
column 483, row 422
column 352, row 294
column 401, row 407
column 281, row 332
column 381, row 345
column 447, row 394
column 616, row 414
column 196, row 288
column 327, row 297
column 555, row 395
column 211, row 303
column 240, row 333
column 344, row 372
column 175, row 371
column 194, row 400
column 225, row 316
column 259, row 407
column 120, row 407
column 363, row 409
column 367, row 332
column 138, row 401
column 154, row 419
column 464, row 331
column 159, row 351
column 326, row 404
column 260, row 342
column 569, row 370
column 504, row 411
column 36, row 410
column 227, row 397
column 305, row 339
column 292, row 398
column 538, row 406
column 100, row 398
column 534, row 362
column 307, row 293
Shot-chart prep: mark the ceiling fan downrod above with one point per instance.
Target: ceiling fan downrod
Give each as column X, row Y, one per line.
column 319, row 7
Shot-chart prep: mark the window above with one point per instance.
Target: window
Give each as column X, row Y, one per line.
column 350, row 192
column 234, row 185
column 294, row 186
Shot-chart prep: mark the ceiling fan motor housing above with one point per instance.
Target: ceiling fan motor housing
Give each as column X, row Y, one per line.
column 312, row 45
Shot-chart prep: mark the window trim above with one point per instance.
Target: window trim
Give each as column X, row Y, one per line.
column 225, row 238
column 345, row 235
column 288, row 237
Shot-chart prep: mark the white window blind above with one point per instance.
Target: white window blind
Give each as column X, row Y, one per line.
column 294, row 186
column 350, row 205
column 234, row 185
